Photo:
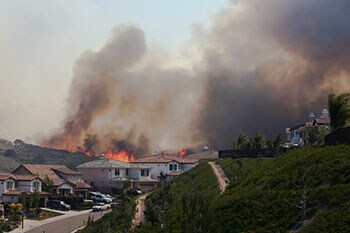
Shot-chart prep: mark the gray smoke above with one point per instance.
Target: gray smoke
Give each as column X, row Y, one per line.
column 264, row 65
column 270, row 63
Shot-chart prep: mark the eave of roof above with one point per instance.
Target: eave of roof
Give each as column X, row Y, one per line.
column 162, row 158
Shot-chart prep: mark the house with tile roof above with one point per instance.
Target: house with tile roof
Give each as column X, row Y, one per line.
column 106, row 175
column 66, row 182
column 13, row 186
column 296, row 135
column 164, row 165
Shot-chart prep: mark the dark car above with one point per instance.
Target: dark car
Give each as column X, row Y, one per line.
column 134, row 192
column 58, row 205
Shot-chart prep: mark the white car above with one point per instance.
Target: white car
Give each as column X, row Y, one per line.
column 101, row 198
column 100, row 207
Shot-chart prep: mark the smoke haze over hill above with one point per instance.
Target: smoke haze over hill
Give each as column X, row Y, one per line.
column 263, row 65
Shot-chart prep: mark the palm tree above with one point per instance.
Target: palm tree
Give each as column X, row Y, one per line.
column 241, row 142
column 339, row 109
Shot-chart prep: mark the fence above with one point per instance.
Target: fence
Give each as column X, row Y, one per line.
column 247, row 153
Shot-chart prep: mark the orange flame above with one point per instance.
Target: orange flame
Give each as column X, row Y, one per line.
column 122, row 155
column 89, row 153
column 182, row 153
column 70, row 145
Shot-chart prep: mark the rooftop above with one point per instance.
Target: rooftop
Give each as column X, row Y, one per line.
column 43, row 170
column 110, row 163
column 164, row 158
column 5, row 176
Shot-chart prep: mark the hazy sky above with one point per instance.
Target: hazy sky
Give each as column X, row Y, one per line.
column 40, row 41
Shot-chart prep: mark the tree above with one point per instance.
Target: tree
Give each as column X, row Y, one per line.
column 47, row 184
column 259, row 141
column 314, row 135
column 16, row 207
column 339, row 109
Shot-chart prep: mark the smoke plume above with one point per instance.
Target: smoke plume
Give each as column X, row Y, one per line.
column 263, row 65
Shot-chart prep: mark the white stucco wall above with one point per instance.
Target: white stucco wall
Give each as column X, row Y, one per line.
column 122, row 173
column 134, row 173
column 5, row 185
column 99, row 176
column 27, row 185
column 188, row 166
column 158, row 168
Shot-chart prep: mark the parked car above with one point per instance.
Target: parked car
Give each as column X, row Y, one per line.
column 101, row 198
column 58, row 205
column 134, row 192
column 100, row 207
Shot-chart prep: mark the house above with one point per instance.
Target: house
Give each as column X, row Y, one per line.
column 65, row 181
column 14, row 186
column 295, row 135
column 107, row 174
column 166, row 165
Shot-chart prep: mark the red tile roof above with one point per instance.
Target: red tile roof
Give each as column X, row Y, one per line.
column 176, row 173
column 43, row 170
column 5, row 176
column 13, row 192
column 321, row 121
column 81, row 185
column 65, row 170
column 25, row 177
column 163, row 158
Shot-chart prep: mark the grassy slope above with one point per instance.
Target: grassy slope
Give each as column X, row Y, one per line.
column 267, row 198
column 186, row 200
column 117, row 221
column 263, row 196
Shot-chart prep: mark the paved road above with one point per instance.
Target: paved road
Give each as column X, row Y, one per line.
column 61, row 224
column 220, row 175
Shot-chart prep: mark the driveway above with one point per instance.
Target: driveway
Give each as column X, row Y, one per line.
column 66, row 223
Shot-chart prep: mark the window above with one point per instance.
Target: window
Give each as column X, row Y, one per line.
column 116, row 172
column 127, row 172
column 9, row 185
column 36, row 185
column 144, row 172
column 173, row 167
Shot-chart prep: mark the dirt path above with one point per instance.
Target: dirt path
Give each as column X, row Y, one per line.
column 220, row 175
column 140, row 207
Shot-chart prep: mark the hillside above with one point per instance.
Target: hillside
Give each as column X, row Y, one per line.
column 18, row 152
column 306, row 190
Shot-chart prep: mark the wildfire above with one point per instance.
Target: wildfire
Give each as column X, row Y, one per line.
column 66, row 142
column 69, row 143
column 182, row 153
column 89, row 153
column 122, row 155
